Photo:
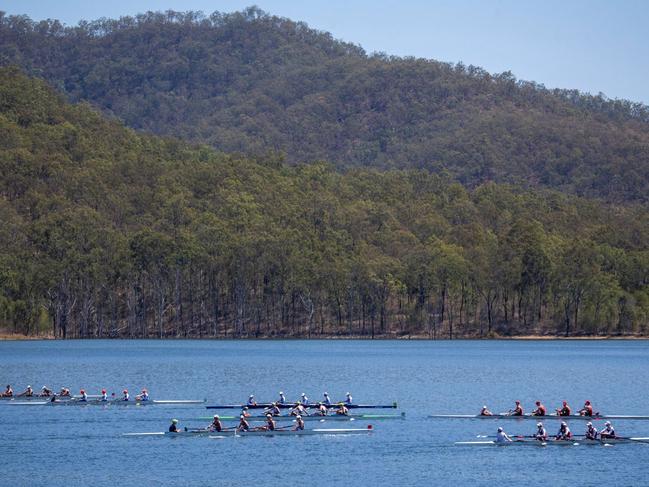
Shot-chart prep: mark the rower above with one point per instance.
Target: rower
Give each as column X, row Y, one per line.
column 143, row 396
column 84, row 396
column 104, row 396
column 485, row 412
column 327, row 400
column 270, row 423
column 216, row 424
column 322, row 410
column 125, row 396
column 608, row 431
column 298, row 410
column 46, row 391
column 541, row 433
column 243, row 424
column 273, row 410
column 251, row 400
column 591, row 431
column 29, row 392
column 348, row 399
column 299, row 423
column 342, row 410
column 245, row 412
column 173, row 427
column 502, row 437
column 64, row 392
column 540, row 409
column 564, row 432
column 564, row 410
column 9, row 392
column 282, row 398
column 517, row 411
column 304, row 400
column 587, row 410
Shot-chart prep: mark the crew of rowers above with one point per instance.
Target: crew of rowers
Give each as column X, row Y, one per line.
column 304, row 400
column 564, row 433
column 541, row 410
column 217, row 427
column 65, row 393
column 300, row 408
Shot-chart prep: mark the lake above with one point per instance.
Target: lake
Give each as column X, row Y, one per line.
column 83, row 445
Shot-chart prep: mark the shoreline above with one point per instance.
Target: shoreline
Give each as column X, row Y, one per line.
column 19, row 337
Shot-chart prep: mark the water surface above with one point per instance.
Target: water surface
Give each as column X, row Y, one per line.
column 83, row 445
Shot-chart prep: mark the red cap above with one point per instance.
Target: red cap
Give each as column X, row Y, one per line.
column 587, row 402
column 369, row 426
column 124, row 391
column 565, row 402
column 103, row 391
column 81, row 391
column 518, row 402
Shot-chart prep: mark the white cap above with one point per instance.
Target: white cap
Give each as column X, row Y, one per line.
column 484, row 407
column 281, row 393
column 29, row 387
column 298, row 416
column 241, row 417
column 303, row 394
column 174, row 420
column 589, row 424
column 608, row 423
column 539, row 424
column 563, row 423
column 216, row 416
column 43, row 388
column 500, row 430
column 326, row 393
column 252, row 395
column 349, row 393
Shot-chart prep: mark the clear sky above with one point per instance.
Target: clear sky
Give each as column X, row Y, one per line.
column 592, row 45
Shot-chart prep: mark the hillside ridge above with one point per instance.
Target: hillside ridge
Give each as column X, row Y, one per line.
column 250, row 82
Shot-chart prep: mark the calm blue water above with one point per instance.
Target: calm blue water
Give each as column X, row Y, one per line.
column 83, row 445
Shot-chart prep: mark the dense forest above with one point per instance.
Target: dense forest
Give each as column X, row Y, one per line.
column 251, row 83
column 105, row 232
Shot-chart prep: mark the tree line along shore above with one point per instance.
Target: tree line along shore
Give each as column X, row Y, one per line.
column 109, row 233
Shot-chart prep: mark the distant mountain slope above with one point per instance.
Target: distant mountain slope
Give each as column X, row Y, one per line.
column 250, row 82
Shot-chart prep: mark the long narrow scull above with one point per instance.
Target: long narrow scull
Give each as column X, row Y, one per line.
column 553, row 442
column 233, row 432
column 43, row 398
column 332, row 417
column 540, row 418
column 76, row 402
column 312, row 405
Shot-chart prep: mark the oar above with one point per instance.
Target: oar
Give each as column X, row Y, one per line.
column 637, row 440
column 511, row 436
column 158, row 433
column 208, row 429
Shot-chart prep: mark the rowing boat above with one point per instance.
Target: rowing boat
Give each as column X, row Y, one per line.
column 553, row 442
column 77, row 402
column 540, row 418
column 233, row 432
column 305, row 432
column 40, row 398
column 312, row 405
column 338, row 417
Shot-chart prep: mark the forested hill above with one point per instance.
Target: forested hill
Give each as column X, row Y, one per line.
column 106, row 232
column 252, row 83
